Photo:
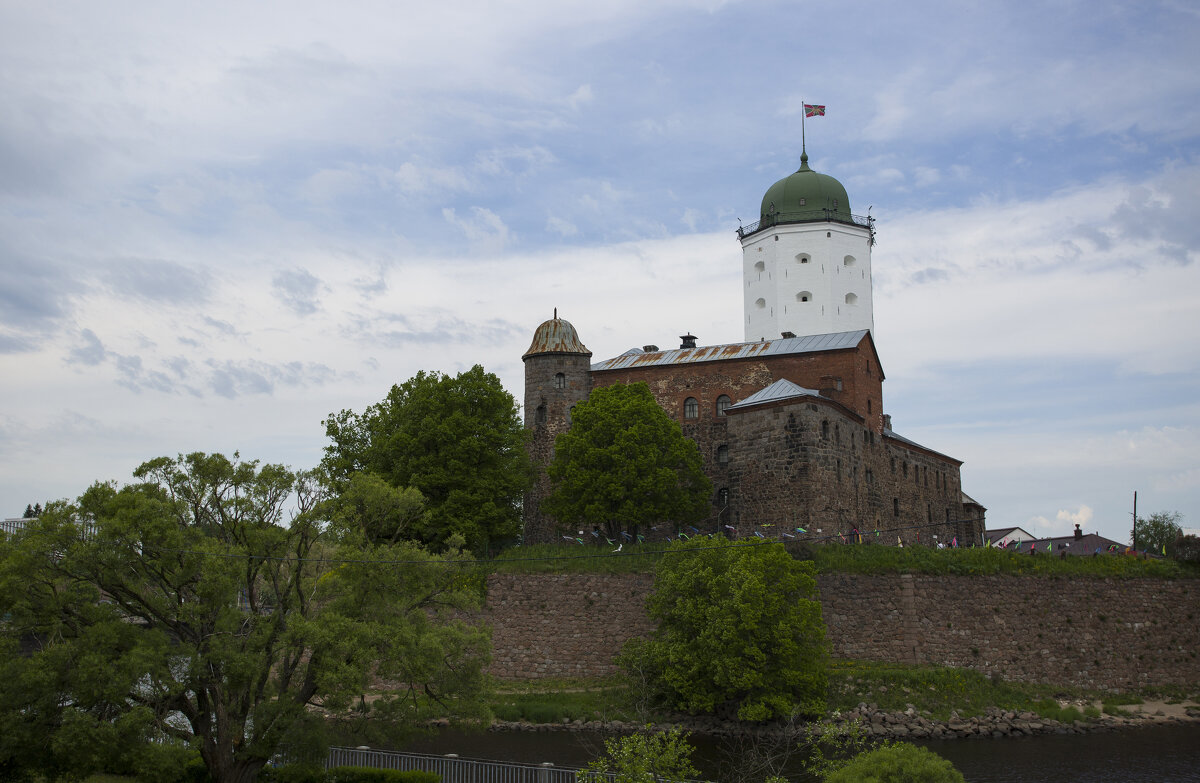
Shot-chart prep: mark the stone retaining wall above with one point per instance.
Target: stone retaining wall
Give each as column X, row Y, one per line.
column 1090, row 632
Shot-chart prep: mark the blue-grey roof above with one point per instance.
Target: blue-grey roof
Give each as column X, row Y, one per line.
column 890, row 434
column 813, row 343
column 782, row 389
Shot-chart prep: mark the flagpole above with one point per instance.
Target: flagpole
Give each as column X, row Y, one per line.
column 803, row 140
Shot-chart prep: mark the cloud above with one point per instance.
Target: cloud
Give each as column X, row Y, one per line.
column 90, row 353
column 231, row 379
column 159, row 281
column 564, row 228
column 1063, row 523
column 34, row 297
column 483, row 228
column 513, row 161
column 297, row 289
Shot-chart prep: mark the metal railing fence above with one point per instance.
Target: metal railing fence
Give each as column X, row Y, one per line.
column 452, row 769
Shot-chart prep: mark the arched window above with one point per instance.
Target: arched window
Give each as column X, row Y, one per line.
column 760, row 267
column 722, row 454
column 560, row 381
column 848, row 261
column 851, row 299
column 723, row 402
column 570, row 414
column 539, row 416
column 804, row 296
column 825, row 429
column 760, row 303
column 895, row 507
column 691, row 408
column 802, row 259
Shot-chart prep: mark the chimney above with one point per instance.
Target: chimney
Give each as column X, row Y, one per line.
column 887, row 421
column 689, row 340
column 650, row 348
column 787, row 335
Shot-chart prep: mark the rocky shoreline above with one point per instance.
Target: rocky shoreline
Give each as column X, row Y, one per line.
column 906, row 725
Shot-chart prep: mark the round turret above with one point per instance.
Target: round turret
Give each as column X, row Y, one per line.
column 805, row 195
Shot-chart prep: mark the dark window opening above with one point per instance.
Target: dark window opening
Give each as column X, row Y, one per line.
column 723, row 402
column 560, row 381
column 691, row 408
column 722, row 454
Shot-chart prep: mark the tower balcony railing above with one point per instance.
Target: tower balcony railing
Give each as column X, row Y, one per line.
column 807, row 216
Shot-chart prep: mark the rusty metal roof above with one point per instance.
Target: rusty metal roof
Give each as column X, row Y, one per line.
column 711, row 353
column 556, row 336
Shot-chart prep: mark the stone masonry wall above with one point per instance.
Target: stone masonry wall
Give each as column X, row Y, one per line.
column 1089, row 632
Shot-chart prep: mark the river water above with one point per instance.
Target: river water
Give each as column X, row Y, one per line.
column 1162, row 754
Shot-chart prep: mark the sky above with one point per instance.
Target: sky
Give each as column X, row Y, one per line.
column 221, row 222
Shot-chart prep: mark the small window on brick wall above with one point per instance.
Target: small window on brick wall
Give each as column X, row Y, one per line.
column 560, row 381
column 691, row 408
column 895, row 507
column 723, row 402
column 539, row 416
column 722, row 454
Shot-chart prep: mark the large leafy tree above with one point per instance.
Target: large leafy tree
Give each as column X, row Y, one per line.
column 739, row 629
column 457, row 440
column 192, row 608
column 1158, row 532
column 624, row 464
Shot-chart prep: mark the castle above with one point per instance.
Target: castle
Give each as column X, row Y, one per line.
column 790, row 423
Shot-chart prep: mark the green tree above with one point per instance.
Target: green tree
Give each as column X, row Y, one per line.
column 1158, row 532
column 192, row 607
column 644, row 757
column 899, row 762
column 625, row 463
column 457, row 440
column 739, row 628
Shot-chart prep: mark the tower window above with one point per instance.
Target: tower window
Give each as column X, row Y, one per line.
column 722, row 454
column 691, row 408
column 851, row 299
column 723, row 402
column 759, row 267
column 802, row 259
column 539, row 416
column 825, row 430
column 895, row 507
column 804, row 296
column 760, row 303
column 848, row 261
column 723, row 497
column 560, row 381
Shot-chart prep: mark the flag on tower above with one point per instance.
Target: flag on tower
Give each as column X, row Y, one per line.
column 813, row 111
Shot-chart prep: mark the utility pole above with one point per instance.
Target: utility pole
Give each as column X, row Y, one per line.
column 1135, row 520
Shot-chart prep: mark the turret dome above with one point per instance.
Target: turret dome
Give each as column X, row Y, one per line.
column 805, row 195
column 556, row 336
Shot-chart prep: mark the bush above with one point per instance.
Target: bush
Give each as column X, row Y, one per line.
column 300, row 773
column 739, row 630
column 897, row 763
column 1187, row 549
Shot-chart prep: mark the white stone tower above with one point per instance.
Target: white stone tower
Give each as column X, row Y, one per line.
column 806, row 264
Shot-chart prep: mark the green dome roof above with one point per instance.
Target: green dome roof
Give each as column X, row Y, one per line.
column 806, row 195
